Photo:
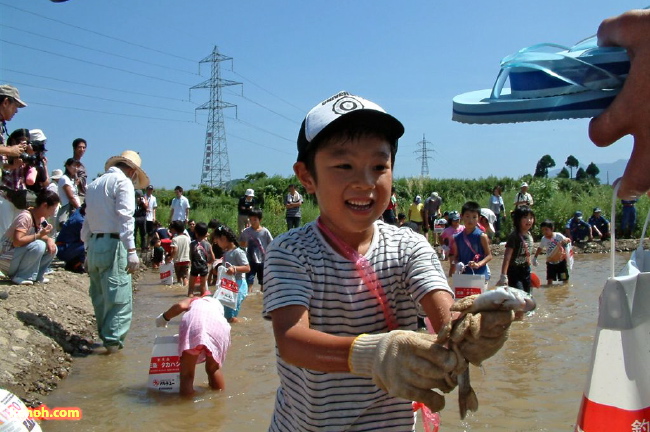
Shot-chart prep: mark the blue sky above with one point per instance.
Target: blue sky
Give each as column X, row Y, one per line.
column 118, row 73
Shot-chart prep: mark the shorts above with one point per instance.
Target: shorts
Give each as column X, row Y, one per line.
column 199, row 271
column 181, row 269
column 557, row 271
column 519, row 277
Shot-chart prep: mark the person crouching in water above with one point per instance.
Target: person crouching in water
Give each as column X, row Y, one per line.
column 204, row 336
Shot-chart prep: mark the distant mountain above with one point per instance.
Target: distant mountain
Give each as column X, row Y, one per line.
column 613, row 170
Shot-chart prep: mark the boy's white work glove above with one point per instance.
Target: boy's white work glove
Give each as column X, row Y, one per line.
column 503, row 280
column 460, row 267
column 405, row 364
column 161, row 321
column 535, row 261
column 133, row 262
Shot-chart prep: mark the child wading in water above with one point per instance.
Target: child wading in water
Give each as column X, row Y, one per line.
column 342, row 291
column 200, row 259
column 471, row 245
column 204, row 336
column 556, row 263
column 256, row 240
column 236, row 263
column 515, row 271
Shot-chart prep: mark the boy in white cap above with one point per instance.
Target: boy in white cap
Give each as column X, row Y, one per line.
column 338, row 289
column 107, row 233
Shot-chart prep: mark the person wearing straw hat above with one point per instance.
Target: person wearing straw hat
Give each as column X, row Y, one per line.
column 9, row 104
column 107, row 234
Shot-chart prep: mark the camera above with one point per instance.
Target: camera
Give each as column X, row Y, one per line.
column 35, row 160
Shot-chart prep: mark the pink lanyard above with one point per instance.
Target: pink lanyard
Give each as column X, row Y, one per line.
column 477, row 257
column 364, row 270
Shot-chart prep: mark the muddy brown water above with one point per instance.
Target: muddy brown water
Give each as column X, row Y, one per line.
column 534, row 384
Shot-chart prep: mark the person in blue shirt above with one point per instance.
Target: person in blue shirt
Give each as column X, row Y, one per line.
column 70, row 248
column 599, row 225
column 577, row 229
column 472, row 245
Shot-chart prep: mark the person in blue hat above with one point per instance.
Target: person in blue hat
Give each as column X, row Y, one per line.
column 577, row 228
column 599, row 225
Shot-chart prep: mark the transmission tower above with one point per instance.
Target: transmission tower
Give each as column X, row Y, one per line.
column 216, row 168
column 424, row 171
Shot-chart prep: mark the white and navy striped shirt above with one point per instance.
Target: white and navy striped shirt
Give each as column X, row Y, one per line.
column 302, row 269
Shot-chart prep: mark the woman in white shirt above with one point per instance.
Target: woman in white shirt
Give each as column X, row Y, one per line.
column 68, row 192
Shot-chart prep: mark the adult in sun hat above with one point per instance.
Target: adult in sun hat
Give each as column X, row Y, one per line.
column 523, row 198
column 107, row 234
column 10, row 102
column 599, row 224
column 244, row 206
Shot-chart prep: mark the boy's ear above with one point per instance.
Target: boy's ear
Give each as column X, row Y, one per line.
column 305, row 177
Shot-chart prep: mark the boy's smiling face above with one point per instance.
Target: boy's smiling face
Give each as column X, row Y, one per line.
column 352, row 184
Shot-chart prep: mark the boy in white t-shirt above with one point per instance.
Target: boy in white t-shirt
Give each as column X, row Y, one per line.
column 343, row 291
column 554, row 244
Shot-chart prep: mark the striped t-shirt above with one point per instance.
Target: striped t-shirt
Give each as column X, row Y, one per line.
column 302, row 269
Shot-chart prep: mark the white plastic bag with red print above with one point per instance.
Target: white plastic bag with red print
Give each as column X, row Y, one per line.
column 227, row 288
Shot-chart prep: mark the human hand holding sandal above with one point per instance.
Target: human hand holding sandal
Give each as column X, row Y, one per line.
column 628, row 114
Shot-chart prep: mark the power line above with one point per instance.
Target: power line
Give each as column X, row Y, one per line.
column 130, row 92
column 302, row 111
column 93, row 63
column 111, row 113
column 265, row 107
column 97, row 33
column 102, row 98
column 95, row 49
column 424, row 170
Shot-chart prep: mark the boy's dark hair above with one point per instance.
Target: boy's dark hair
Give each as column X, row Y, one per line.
column 228, row 234
column 519, row 213
column 345, row 131
column 78, row 141
column 547, row 224
column 178, row 188
column 401, row 216
column 471, row 206
column 201, row 229
column 178, row 226
column 257, row 212
column 47, row 196
column 213, row 223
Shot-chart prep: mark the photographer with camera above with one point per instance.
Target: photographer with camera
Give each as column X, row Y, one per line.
column 27, row 249
column 17, row 175
column 36, row 158
column 68, row 192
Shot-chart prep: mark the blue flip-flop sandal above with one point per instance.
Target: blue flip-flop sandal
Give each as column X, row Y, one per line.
column 577, row 82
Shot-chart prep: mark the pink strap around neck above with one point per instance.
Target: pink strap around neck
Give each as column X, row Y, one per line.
column 364, row 270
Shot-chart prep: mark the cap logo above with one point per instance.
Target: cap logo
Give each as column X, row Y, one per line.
column 346, row 104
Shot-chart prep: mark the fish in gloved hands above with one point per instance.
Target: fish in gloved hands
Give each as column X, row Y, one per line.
column 479, row 332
